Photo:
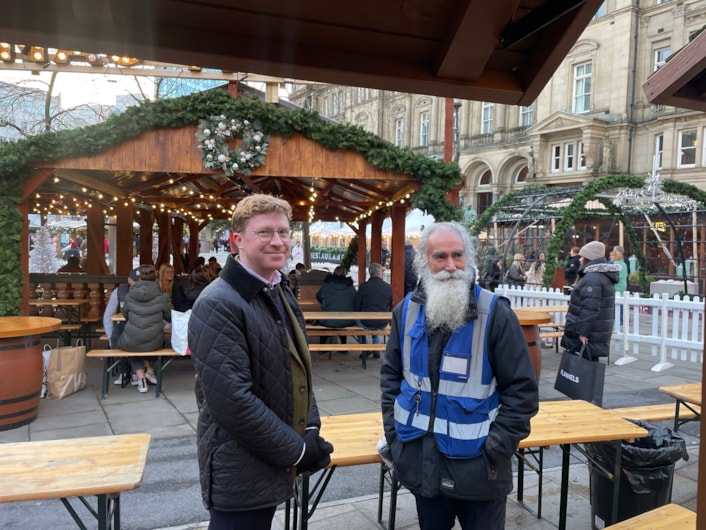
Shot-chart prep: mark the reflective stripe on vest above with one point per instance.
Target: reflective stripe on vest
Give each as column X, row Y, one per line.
column 467, row 400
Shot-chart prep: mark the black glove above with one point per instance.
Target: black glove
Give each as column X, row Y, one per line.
column 316, row 452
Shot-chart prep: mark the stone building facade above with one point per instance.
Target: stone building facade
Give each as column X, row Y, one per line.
column 591, row 119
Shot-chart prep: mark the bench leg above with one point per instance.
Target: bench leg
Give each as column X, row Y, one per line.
column 158, row 386
column 106, row 377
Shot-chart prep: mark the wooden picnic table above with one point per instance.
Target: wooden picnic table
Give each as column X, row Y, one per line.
column 347, row 315
column 564, row 423
column 688, row 396
column 668, row 517
column 103, row 466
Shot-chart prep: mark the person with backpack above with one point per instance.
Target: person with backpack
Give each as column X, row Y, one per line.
column 492, row 273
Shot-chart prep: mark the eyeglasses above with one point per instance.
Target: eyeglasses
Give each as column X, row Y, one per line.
column 266, row 234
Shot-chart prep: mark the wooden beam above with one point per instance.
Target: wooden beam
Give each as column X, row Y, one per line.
column 678, row 83
column 82, row 179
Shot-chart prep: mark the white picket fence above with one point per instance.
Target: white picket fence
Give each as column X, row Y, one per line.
column 665, row 328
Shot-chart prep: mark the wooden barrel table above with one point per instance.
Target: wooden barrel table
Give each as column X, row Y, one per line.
column 21, row 368
column 530, row 322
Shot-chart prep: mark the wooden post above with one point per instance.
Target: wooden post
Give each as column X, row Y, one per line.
column 164, row 221
column 399, row 213
column 95, row 232
column 124, row 238
column 362, row 249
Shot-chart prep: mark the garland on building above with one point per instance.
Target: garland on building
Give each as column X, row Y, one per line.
column 436, row 178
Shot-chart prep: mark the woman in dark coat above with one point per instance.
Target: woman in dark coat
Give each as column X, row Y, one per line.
column 592, row 304
column 145, row 309
column 337, row 294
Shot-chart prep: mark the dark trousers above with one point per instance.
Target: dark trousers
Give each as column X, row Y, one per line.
column 245, row 520
column 440, row 513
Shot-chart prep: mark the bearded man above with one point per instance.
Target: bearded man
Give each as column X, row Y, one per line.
column 458, row 388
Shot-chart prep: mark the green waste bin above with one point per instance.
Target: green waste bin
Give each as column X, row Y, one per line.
column 647, row 471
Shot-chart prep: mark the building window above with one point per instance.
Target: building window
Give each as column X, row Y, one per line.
column 568, row 157
column 326, row 112
column 601, row 11
column 527, row 116
column 661, row 55
column 521, row 176
column 581, row 156
column 399, row 131
column 659, row 149
column 687, row 148
column 363, row 94
column 486, row 178
column 582, row 87
column 661, row 2
column 556, row 158
column 486, row 123
column 424, row 129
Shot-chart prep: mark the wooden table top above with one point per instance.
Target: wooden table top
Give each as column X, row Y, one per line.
column 22, row 326
column 72, row 467
column 531, row 318
column 354, row 436
column 689, row 393
column 669, row 517
column 65, row 302
column 547, row 308
column 347, row 315
column 575, row 421
column 118, row 317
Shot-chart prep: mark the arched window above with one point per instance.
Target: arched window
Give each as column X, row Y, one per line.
column 486, row 178
column 521, row 176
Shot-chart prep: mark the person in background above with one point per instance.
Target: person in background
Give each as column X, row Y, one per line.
column 384, row 253
column 410, row 276
column 458, row 388
column 516, row 274
column 492, row 273
column 165, row 279
column 214, row 266
column 535, row 274
column 571, row 268
column 258, row 424
column 73, row 264
column 186, row 292
column 337, row 293
column 298, row 252
column 113, row 330
column 146, row 308
column 592, row 304
column 617, row 256
column 373, row 295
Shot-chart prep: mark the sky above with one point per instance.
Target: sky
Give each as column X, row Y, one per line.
column 76, row 89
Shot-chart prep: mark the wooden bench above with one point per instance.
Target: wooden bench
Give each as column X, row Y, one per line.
column 688, row 402
column 111, row 359
column 663, row 518
column 660, row 412
column 104, row 466
column 357, row 346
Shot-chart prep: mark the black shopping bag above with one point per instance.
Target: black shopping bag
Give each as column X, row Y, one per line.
column 580, row 378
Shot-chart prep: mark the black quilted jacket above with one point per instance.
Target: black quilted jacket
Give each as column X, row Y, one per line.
column 246, row 445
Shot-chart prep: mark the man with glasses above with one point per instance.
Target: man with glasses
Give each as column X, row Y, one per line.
column 258, row 420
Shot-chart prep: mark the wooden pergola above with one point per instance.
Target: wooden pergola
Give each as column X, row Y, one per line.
column 159, row 177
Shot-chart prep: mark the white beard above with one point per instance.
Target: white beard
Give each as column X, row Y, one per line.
column 448, row 295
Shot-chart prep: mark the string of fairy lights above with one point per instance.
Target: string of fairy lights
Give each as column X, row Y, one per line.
column 213, row 207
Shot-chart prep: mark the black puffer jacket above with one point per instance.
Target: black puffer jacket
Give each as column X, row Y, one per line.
column 592, row 308
column 145, row 310
column 239, row 345
column 337, row 294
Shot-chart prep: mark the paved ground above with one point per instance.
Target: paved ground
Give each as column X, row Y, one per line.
column 170, row 496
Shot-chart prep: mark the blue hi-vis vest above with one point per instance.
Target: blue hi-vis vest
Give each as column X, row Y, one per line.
column 467, row 399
